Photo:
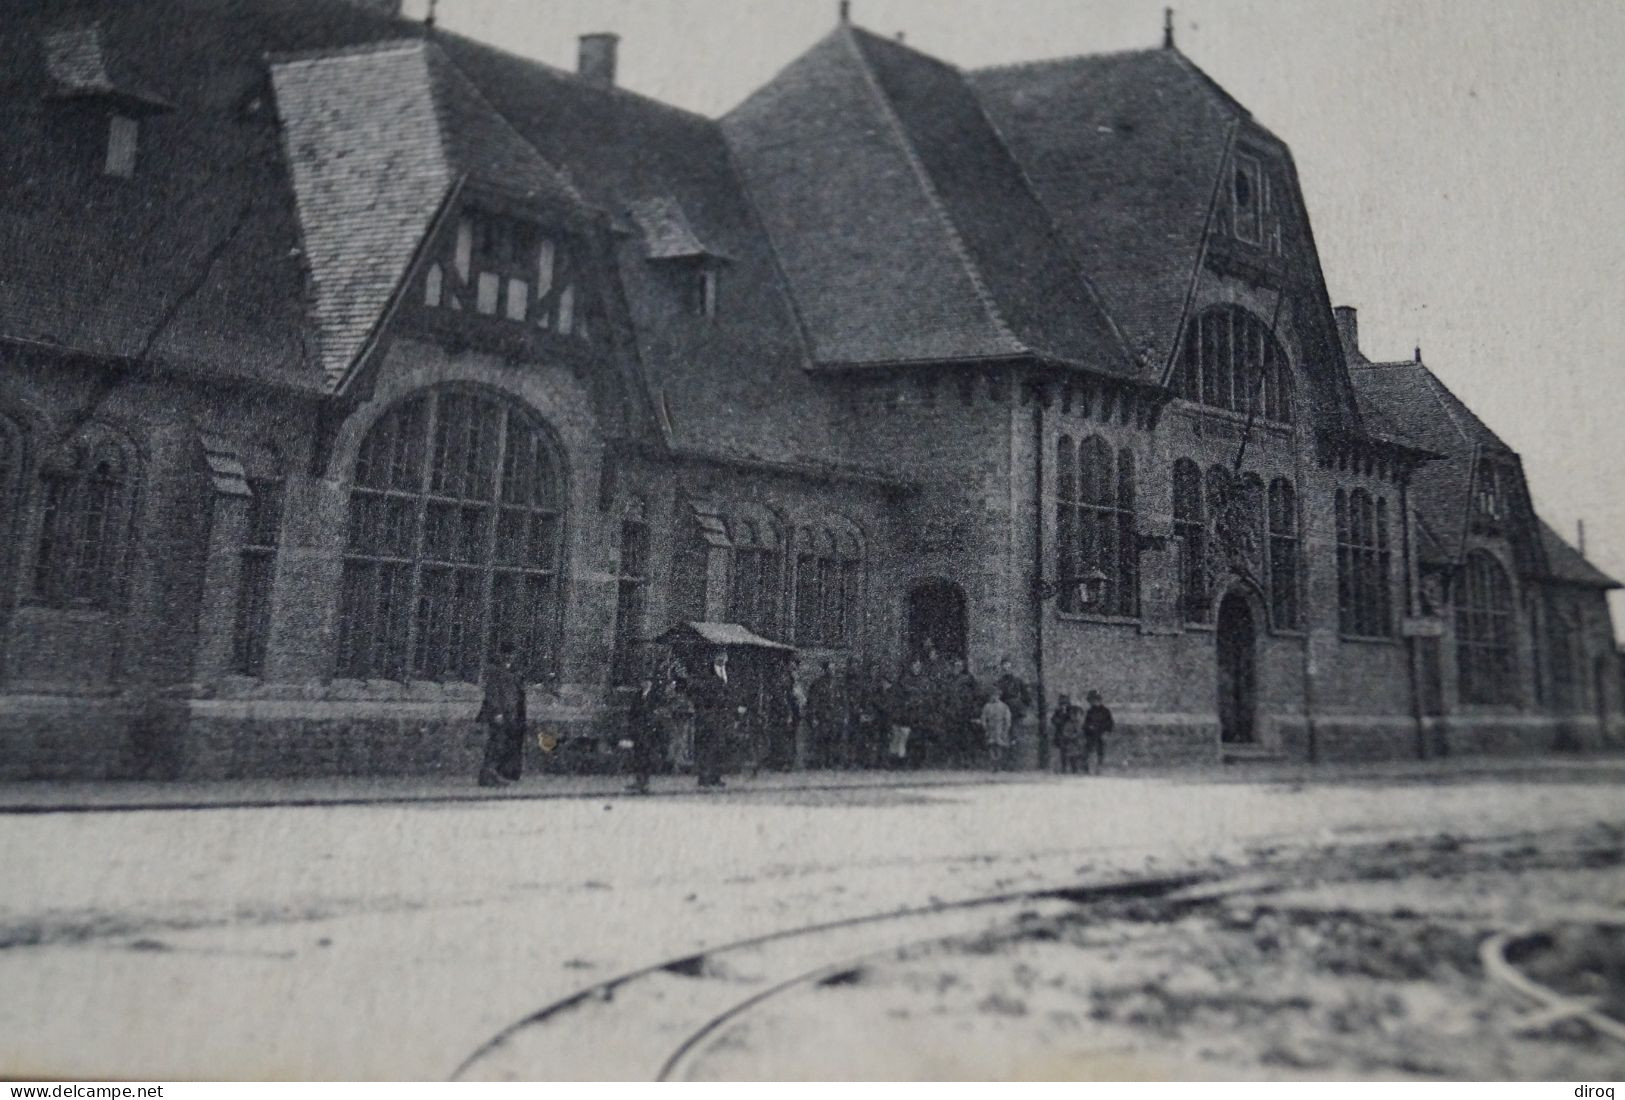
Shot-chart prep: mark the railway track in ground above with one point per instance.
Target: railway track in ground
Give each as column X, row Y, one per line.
column 656, row 1022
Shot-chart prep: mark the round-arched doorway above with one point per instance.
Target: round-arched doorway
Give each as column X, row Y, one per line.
column 1236, row 637
column 936, row 612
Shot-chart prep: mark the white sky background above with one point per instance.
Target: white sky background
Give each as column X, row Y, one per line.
column 1462, row 161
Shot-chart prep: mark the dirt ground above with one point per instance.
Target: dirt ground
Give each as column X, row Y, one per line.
column 1345, row 964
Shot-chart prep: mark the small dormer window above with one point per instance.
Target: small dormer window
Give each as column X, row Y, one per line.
column 123, row 136
column 703, row 288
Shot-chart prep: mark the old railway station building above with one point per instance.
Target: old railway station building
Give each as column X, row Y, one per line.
column 338, row 350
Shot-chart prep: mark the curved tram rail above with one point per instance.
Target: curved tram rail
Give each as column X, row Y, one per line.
column 674, row 1006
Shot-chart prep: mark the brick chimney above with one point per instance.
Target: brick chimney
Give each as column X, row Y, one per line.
column 595, row 60
column 1348, row 328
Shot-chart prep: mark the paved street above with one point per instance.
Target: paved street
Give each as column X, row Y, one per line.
column 390, row 939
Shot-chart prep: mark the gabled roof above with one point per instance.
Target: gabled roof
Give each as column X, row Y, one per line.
column 1123, row 150
column 1567, row 564
column 733, row 385
column 929, row 245
column 1409, row 398
column 375, row 137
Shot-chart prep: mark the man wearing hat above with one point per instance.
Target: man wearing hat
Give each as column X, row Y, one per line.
column 503, row 714
column 714, row 716
column 1097, row 723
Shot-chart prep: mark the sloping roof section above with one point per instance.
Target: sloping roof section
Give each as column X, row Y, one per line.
column 1011, row 247
column 1123, row 150
column 877, row 272
column 375, row 138
column 1565, row 563
column 193, row 261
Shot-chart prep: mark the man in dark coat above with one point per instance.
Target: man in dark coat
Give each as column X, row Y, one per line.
column 503, row 714
column 643, row 729
column 1097, row 723
column 714, row 715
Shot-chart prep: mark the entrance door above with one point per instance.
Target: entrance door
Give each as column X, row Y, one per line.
column 1238, row 677
column 936, row 610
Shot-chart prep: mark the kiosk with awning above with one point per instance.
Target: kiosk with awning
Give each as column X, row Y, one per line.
column 763, row 672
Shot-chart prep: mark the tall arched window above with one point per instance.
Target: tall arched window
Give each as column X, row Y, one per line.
column 753, row 590
column 1230, row 360
column 88, row 492
column 455, row 541
column 1484, row 632
column 1364, row 597
column 1190, row 528
column 1095, row 528
column 829, row 584
column 1283, row 554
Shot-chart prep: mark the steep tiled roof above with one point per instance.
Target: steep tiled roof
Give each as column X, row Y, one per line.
column 194, row 260
column 1123, row 150
column 375, row 138
column 930, row 246
column 1565, row 563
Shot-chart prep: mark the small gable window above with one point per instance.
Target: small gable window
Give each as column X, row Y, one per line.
column 123, row 136
column 1489, row 499
column 1247, row 194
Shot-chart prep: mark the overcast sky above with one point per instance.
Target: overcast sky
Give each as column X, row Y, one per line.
column 1462, row 162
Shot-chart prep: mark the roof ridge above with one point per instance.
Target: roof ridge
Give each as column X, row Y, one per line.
column 611, row 90
column 934, row 200
column 1067, row 59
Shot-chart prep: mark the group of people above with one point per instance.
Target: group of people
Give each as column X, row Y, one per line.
column 934, row 713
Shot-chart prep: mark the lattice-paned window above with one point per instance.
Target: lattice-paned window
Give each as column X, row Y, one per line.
column 1489, row 496
column 256, row 573
column 829, row 586
column 1095, row 527
column 753, row 591
column 512, row 269
column 1484, row 632
column 455, row 541
column 88, row 493
column 1283, row 554
column 1364, row 594
column 631, row 591
column 1190, row 529
column 1230, row 360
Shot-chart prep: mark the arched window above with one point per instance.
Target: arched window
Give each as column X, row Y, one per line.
column 257, row 564
column 1254, row 516
column 1190, row 528
column 1230, row 360
column 829, row 584
column 1484, row 632
column 1364, row 598
column 753, row 590
column 88, row 492
column 1283, row 554
column 455, row 541
column 1095, row 528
